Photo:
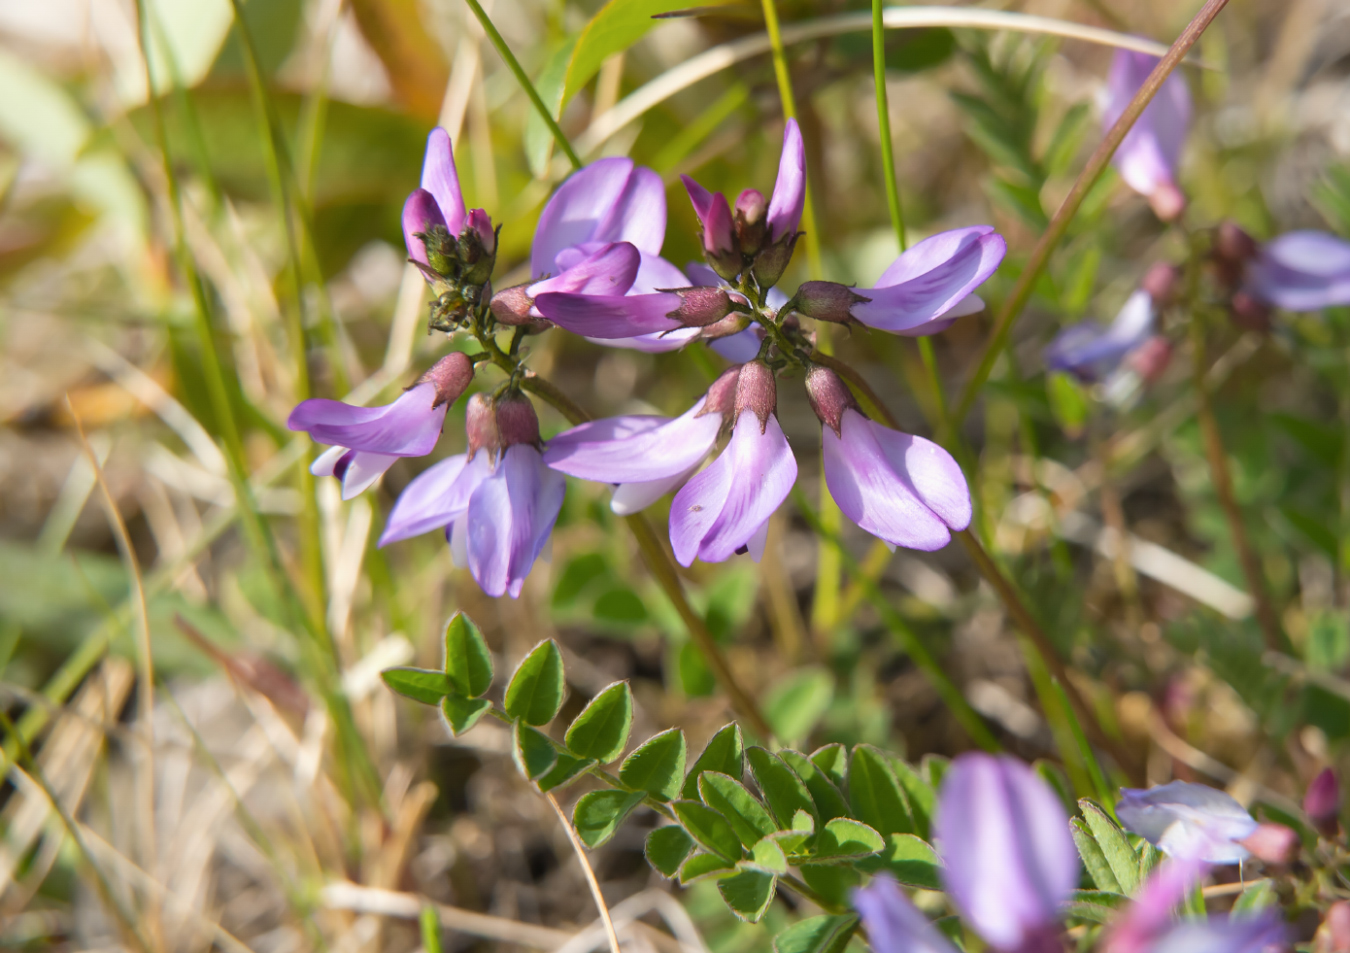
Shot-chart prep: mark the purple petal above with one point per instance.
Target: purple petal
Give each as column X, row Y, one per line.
column 330, row 463
column 789, row 189
column 872, row 494
column 1302, row 271
column 608, row 270
column 656, row 274
column 1009, row 861
column 1236, row 933
column 610, row 316
column 893, row 923
column 440, row 178
column 739, row 347
column 1150, row 154
column 420, row 212
column 1150, row 915
column 652, row 343
column 630, row 498
column 363, row 470
column 634, row 449
column 1091, row 351
column 700, row 198
column 721, row 508
column 409, row 427
column 511, row 514
column 608, row 201
column 930, row 279
column 1192, row 821
column 435, row 497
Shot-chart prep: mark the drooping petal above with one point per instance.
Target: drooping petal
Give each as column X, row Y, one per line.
column 789, row 189
column 630, row 498
column 436, row 496
column 634, row 449
column 1302, row 271
column 610, row 200
column 606, row 270
column 409, row 427
column 757, row 541
column 1092, row 352
column 933, row 473
column 658, row 343
column 721, row 508
column 362, row 472
column 511, row 514
column 1150, row 154
column 610, row 316
column 1185, row 820
column 329, row 463
column 930, row 279
column 440, row 178
column 893, row 923
column 420, row 212
column 1009, row 861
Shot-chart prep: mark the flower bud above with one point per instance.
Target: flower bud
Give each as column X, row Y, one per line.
column 756, row 390
column 720, row 246
column 826, row 301
column 1249, row 314
column 829, row 397
column 700, row 307
column 721, row 396
column 1151, row 358
column 733, row 323
column 442, row 253
column 1322, row 803
column 1233, row 244
column 1167, row 201
column 751, row 225
column 512, row 306
column 477, row 248
column 1333, row 936
column 1160, row 281
column 480, row 426
column 1273, row 844
column 452, row 375
column 516, row 420
column 773, row 260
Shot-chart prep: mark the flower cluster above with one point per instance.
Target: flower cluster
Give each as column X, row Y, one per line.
column 597, row 271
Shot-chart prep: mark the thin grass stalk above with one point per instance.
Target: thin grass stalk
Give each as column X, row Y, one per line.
column 1096, row 165
column 586, row 868
column 513, row 64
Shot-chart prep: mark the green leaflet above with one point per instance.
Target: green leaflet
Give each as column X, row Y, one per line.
column 600, row 732
column 535, row 692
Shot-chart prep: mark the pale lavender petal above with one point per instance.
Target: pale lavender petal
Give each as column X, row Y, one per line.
column 893, row 923
column 1192, row 821
column 757, row 541
column 1253, row 933
column 608, row 270
column 409, row 427
column 1008, row 859
column 435, row 496
column 1302, row 271
column 634, row 449
column 700, row 198
column 658, row 343
column 629, row 498
column 363, row 470
column 597, row 204
column 327, row 463
column 420, row 213
column 440, row 178
column 656, row 274
column 610, row 316
column 739, row 347
column 1150, row 154
column 930, row 279
column 789, row 189
column 704, row 277
column 457, row 535
column 511, row 514
column 1091, row 351
column 719, row 509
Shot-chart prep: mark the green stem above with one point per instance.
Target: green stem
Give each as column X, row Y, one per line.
column 514, row 65
column 1101, row 156
column 884, row 126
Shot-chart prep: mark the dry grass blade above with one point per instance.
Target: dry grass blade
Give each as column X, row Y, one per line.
column 594, row 884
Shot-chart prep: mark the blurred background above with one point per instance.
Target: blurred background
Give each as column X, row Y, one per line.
column 268, row 251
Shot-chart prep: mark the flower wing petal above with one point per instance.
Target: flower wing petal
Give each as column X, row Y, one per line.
column 576, row 211
column 441, row 179
column 931, row 279
column 610, row 316
column 789, row 189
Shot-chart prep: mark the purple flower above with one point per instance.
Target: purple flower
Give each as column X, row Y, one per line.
column 1261, row 932
column 1301, row 271
column 367, row 440
column 439, row 204
column 1091, row 352
column 893, row 923
column 929, row 286
column 742, row 345
column 1150, row 915
column 497, row 503
column 645, row 456
column 905, row 490
column 725, row 508
column 1008, row 859
column 1190, row 821
column 1150, row 154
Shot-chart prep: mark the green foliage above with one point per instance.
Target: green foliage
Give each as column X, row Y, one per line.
column 875, row 794
column 783, row 790
column 797, row 703
column 600, row 732
column 467, row 659
column 598, row 814
column 1115, row 846
column 748, row 893
column 724, row 753
column 823, row 934
column 419, row 684
column 535, row 692
column 657, row 765
column 667, row 848
column 747, row 817
column 461, row 714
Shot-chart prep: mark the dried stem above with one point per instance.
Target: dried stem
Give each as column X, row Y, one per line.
column 590, row 873
column 1096, row 164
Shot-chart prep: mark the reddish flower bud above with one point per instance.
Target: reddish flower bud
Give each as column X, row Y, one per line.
column 756, row 390
column 829, row 397
column 1233, row 244
column 1160, row 281
column 511, row 306
column 720, row 246
column 700, row 307
column 751, row 225
column 1151, row 358
column 516, row 420
column 481, row 224
column 733, row 323
column 1273, row 844
column 452, row 375
column 480, row 426
column 1322, row 803
column 721, row 397
column 826, row 301
column 1249, row 314
column 1167, row 201
column 1333, row 936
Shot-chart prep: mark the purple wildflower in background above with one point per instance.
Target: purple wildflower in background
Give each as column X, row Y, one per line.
column 1009, row 861
column 1301, row 271
column 893, row 923
column 905, row 490
column 497, row 502
column 1322, row 803
column 367, row 440
column 439, row 204
column 1150, row 154
column 645, row 456
column 1188, row 821
column 1091, row 352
